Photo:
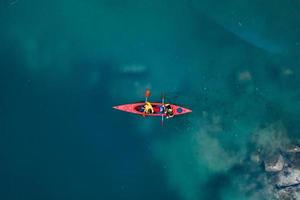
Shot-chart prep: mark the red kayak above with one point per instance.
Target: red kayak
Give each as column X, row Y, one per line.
column 159, row 109
column 137, row 108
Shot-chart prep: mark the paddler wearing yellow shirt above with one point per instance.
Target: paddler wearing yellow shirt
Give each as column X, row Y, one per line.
column 148, row 109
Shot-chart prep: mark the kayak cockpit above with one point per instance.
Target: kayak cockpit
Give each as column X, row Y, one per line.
column 158, row 109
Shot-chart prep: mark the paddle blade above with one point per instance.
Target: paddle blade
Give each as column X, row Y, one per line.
column 147, row 93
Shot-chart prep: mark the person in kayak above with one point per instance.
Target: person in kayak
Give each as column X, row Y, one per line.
column 168, row 111
column 148, row 109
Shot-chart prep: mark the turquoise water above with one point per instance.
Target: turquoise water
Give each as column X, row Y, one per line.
column 64, row 64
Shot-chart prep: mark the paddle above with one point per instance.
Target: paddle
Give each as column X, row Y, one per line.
column 163, row 105
column 147, row 94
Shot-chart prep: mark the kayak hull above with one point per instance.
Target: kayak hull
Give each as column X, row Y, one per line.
column 135, row 108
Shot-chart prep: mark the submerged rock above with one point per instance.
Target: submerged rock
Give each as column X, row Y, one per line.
column 286, row 195
column 281, row 160
column 255, row 158
column 271, row 139
column 287, row 72
column 134, row 69
column 294, row 159
column 245, row 76
column 274, row 164
column 288, row 178
column 292, row 149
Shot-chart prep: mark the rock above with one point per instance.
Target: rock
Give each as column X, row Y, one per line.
column 287, row 72
column 134, row 69
column 294, row 160
column 297, row 195
column 245, row 76
column 271, row 139
column 274, row 165
column 285, row 195
column 289, row 177
column 255, row 158
column 292, row 149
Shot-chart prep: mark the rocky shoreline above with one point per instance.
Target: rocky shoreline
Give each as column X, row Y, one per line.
column 280, row 159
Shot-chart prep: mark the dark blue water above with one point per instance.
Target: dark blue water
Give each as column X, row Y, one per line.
column 65, row 64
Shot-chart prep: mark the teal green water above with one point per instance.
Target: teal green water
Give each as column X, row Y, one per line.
column 64, row 64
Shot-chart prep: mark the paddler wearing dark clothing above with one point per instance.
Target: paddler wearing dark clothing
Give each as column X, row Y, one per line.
column 169, row 111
